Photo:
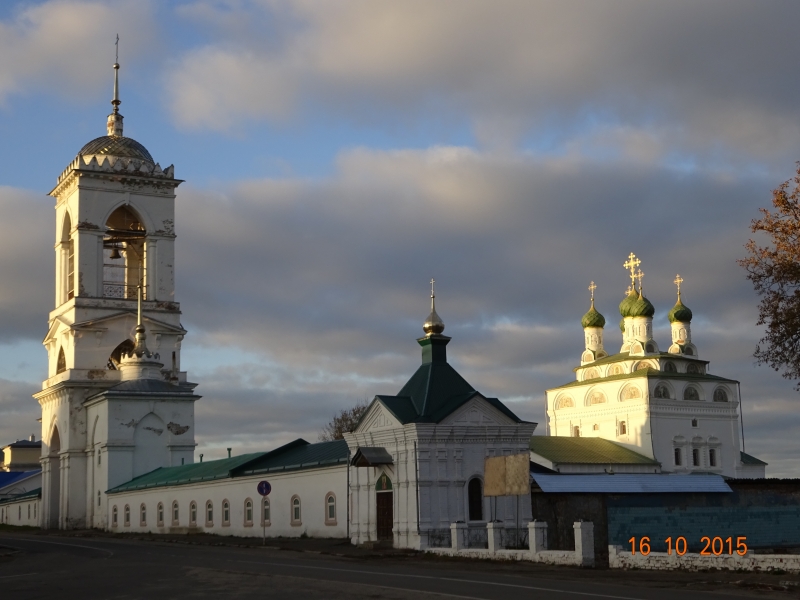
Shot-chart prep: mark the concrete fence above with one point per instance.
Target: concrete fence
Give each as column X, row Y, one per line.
column 622, row 558
column 530, row 544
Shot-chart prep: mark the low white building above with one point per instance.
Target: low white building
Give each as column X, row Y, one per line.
column 22, row 509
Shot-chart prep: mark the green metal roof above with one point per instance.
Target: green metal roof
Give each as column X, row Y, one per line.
column 747, row 459
column 37, row 493
column 655, row 373
column 577, row 450
column 194, row 473
column 296, row 455
column 623, row 356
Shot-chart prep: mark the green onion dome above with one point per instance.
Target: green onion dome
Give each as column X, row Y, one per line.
column 625, row 305
column 680, row 313
column 641, row 307
column 593, row 319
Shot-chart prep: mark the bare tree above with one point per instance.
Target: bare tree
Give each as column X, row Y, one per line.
column 774, row 271
column 343, row 422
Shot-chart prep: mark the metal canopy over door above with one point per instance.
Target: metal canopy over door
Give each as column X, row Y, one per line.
column 384, row 507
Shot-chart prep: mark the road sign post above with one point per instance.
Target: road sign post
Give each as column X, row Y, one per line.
column 264, row 488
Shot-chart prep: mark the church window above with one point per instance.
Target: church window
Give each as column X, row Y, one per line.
column 124, row 347
column 265, row 512
column 226, row 513
column 597, row 397
column 98, row 457
column 160, row 515
column 650, row 347
column 693, row 369
column 209, row 514
column 98, row 497
column 623, row 428
column 296, row 514
column 596, row 427
column 677, row 457
column 564, row 402
column 615, row 370
column 248, row 512
column 127, row 516
column 691, row 393
column 143, row 515
column 712, row 457
column 61, row 363
column 720, row 395
column 175, row 513
column 688, row 351
column 193, row 513
column 70, row 269
column 669, row 367
column 576, row 431
column 330, row 509
column 114, row 516
column 694, row 422
column 661, row 391
column 695, row 457
column 590, row 374
column 475, row 499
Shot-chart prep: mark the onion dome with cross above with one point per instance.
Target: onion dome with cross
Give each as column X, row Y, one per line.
column 433, row 324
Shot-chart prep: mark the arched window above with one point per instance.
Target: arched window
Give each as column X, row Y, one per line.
column 124, row 347
column 123, row 252
column 175, row 513
column 693, row 368
column 595, row 427
column 127, row 515
column 68, row 258
column 160, row 515
column 114, row 516
column 720, row 395
column 688, row 351
column 296, row 513
column 615, row 370
column 576, row 431
column 226, row 513
column 661, row 391
column 98, row 497
column 677, row 457
column 695, row 457
column 265, row 518
column 248, row 512
column 475, row 499
column 631, row 392
column 193, row 513
column 209, row 514
column 623, row 428
column 591, row 374
column 669, row 367
column 712, row 457
column 143, row 515
column 650, row 347
column 694, row 422
column 330, row 509
column 61, row 363
column 691, row 393
column 596, row 397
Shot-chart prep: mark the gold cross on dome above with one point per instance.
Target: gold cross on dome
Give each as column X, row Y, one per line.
column 433, row 294
column 678, row 281
column 592, row 288
column 639, row 276
column 631, row 265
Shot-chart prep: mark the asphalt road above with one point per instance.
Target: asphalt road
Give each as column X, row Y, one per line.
column 66, row 568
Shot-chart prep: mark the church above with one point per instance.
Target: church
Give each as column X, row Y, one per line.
column 118, row 428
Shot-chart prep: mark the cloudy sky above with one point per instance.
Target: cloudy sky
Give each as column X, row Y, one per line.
column 337, row 155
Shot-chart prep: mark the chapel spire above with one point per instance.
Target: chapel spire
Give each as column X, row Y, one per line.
column 114, row 123
column 593, row 323
column 433, row 324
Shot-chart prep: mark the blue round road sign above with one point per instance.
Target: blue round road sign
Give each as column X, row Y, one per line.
column 264, row 488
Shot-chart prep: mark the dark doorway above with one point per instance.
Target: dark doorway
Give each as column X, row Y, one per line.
column 385, row 514
column 475, row 498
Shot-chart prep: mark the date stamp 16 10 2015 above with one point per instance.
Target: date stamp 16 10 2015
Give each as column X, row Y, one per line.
column 713, row 546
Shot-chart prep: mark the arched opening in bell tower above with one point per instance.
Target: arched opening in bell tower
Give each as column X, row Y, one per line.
column 123, row 254
column 126, row 347
column 67, row 261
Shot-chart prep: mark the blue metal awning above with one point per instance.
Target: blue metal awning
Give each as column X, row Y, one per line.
column 633, row 483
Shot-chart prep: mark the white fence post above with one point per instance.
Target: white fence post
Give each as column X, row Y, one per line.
column 493, row 533
column 537, row 536
column 584, row 542
column 458, row 536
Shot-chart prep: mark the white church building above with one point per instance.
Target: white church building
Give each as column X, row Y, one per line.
column 118, row 427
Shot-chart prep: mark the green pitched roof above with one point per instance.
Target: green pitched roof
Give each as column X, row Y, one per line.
column 297, row 455
column 579, row 450
column 37, row 493
column 747, row 459
column 655, row 373
column 435, row 390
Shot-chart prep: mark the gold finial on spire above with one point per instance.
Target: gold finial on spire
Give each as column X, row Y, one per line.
column 114, row 123
column 631, row 265
column 678, row 281
column 433, row 324
column 592, row 288
column 640, row 276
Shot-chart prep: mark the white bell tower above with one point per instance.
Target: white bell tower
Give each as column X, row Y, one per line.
column 105, row 421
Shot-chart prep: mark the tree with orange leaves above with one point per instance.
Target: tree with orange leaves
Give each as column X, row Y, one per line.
column 774, row 271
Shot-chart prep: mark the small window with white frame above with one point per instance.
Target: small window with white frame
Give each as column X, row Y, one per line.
column 226, row 513
column 176, row 514
column 193, row 514
column 160, row 515
column 265, row 512
column 143, row 515
column 678, row 457
column 248, row 513
column 623, row 428
column 330, row 508
column 296, row 512
column 695, row 457
column 127, row 515
column 712, row 457
column 114, row 516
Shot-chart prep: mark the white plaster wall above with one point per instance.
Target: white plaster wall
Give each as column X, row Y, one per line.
column 16, row 513
column 312, row 487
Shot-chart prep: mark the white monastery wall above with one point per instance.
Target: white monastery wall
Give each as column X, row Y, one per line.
column 23, row 512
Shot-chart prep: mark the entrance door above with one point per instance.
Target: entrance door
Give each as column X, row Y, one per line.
column 385, row 514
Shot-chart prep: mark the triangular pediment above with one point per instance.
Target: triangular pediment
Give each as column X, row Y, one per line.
column 477, row 411
column 378, row 417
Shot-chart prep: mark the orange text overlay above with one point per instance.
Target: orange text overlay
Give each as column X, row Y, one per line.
column 712, row 546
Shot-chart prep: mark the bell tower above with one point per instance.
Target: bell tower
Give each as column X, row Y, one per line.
column 114, row 244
